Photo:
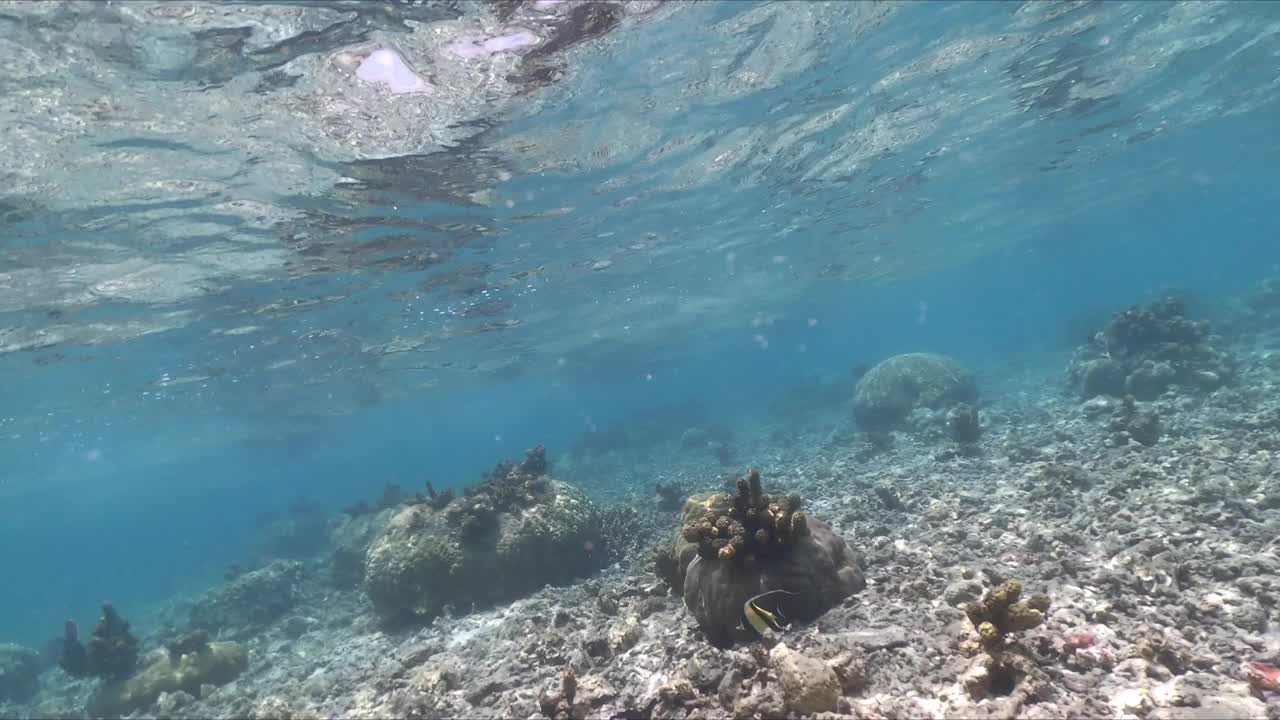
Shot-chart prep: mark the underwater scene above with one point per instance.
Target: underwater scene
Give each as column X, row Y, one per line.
column 631, row 359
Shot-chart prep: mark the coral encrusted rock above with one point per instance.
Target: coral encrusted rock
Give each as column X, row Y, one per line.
column 731, row 547
column 514, row 532
column 1146, row 350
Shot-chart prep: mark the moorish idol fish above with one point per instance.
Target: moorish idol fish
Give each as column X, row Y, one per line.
column 760, row 621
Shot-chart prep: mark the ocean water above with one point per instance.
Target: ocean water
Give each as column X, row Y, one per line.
column 235, row 270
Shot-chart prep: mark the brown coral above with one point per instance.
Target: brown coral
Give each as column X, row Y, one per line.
column 1000, row 612
column 747, row 526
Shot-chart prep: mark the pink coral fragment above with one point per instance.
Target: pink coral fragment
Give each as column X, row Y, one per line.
column 387, row 67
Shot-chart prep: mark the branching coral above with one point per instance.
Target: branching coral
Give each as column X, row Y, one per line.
column 1000, row 612
column 112, row 651
column 754, row 526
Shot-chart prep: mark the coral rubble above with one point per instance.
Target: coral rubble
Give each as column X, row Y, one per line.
column 1148, row 349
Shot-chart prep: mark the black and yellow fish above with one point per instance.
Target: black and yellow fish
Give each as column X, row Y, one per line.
column 764, row 623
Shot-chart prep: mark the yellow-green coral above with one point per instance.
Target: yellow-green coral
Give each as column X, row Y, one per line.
column 1000, row 613
column 216, row 663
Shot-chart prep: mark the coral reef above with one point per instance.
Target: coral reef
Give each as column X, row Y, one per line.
column 1000, row 612
column 199, row 664
column 888, row 393
column 731, row 547
column 19, row 673
column 515, row 531
column 251, row 600
column 111, row 653
column 1148, row 349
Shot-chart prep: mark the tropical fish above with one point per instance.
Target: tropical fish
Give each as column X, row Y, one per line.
column 760, row 621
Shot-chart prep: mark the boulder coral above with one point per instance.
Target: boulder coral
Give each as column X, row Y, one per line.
column 1146, row 350
column 888, row 393
column 514, row 532
column 731, row 547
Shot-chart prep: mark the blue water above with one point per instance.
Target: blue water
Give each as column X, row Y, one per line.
column 121, row 484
